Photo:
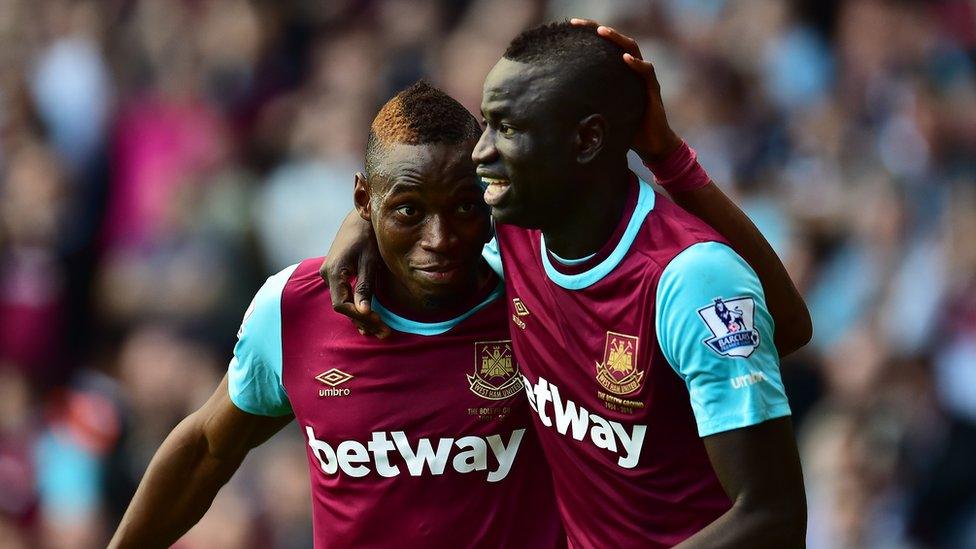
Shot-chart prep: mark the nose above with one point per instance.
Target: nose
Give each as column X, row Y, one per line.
column 438, row 237
column 484, row 152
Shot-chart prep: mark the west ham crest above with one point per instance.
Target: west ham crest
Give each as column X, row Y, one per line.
column 496, row 374
column 731, row 324
column 618, row 372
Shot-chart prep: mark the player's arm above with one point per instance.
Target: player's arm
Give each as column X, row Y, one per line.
column 354, row 254
column 198, row 457
column 794, row 328
column 205, row 449
column 714, row 329
column 661, row 149
column 759, row 468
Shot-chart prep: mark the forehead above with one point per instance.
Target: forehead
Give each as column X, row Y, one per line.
column 523, row 85
column 429, row 166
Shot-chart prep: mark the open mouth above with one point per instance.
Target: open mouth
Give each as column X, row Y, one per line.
column 495, row 190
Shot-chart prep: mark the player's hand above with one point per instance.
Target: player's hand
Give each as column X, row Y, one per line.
column 354, row 254
column 655, row 140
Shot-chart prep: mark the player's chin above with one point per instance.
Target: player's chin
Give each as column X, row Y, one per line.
column 513, row 214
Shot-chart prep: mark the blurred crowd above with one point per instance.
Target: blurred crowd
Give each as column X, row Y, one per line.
column 160, row 158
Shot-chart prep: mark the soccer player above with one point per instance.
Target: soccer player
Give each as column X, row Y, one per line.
column 423, row 440
column 645, row 342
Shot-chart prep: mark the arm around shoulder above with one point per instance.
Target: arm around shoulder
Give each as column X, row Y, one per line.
column 794, row 328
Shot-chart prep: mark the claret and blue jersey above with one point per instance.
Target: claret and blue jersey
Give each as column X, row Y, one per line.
column 627, row 359
column 423, row 439
column 632, row 355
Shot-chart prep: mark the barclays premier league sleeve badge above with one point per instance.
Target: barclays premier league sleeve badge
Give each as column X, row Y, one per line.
column 731, row 324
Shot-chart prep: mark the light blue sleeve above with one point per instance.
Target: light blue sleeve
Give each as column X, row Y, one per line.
column 493, row 256
column 254, row 374
column 716, row 332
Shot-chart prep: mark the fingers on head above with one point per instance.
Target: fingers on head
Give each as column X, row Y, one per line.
column 579, row 21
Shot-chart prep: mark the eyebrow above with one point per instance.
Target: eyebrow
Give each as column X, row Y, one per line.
column 496, row 107
column 404, row 187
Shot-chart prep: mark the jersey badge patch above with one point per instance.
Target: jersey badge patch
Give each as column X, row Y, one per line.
column 496, row 374
column 618, row 372
column 731, row 324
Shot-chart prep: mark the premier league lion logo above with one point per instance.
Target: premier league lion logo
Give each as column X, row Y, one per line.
column 731, row 324
column 733, row 319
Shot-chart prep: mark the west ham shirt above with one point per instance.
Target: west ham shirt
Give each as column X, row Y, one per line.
column 628, row 358
column 421, row 440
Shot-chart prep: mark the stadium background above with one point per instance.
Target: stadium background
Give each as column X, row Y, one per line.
column 159, row 159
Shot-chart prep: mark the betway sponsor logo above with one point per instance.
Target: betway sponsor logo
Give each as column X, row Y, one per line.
column 569, row 417
column 470, row 454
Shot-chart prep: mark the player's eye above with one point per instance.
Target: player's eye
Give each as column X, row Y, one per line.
column 407, row 212
column 466, row 208
column 506, row 130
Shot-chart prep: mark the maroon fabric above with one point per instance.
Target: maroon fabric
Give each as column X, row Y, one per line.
column 562, row 338
column 416, row 388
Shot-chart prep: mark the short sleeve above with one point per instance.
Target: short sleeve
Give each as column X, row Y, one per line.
column 493, row 256
column 716, row 332
column 254, row 375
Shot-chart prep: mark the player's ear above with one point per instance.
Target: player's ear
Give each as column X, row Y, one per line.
column 361, row 196
column 591, row 135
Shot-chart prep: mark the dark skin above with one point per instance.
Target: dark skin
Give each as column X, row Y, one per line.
column 430, row 224
column 535, row 154
column 567, row 178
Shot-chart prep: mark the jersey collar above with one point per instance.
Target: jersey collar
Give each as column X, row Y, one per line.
column 587, row 273
column 403, row 324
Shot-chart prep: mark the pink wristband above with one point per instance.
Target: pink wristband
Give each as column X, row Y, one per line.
column 680, row 171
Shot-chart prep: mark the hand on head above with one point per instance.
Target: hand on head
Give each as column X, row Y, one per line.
column 655, row 140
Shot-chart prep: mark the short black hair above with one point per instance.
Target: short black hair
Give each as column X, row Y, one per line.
column 593, row 65
column 417, row 115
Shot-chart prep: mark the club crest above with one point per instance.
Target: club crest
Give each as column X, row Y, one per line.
column 732, row 327
column 496, row 375
column 618, row 372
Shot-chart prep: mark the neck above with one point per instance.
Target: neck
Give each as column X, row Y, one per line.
column 410, row 300
column 586, row 222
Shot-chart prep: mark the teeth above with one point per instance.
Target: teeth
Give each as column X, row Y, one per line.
column 492, row 181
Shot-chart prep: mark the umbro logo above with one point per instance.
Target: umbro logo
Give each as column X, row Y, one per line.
column 520, row 310
column 334, row 377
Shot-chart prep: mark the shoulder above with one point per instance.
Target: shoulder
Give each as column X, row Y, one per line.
column 265, row 308
column 668, row 231
column 703, row 271
column 707, row 262
column 306, row 271
column 671, row 223
column 299, row 278
column 301, row 282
